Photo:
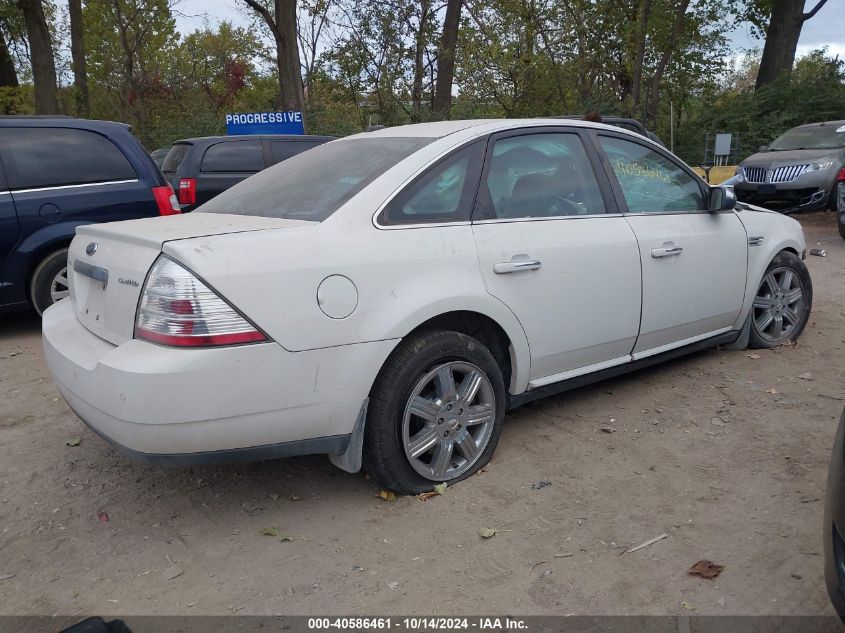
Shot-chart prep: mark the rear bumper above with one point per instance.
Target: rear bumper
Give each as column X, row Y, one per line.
column 185, row 407
column 834, row 523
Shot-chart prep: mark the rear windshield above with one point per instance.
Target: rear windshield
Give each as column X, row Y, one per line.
column 815, row 137
column 314, row 184
column 175, row 157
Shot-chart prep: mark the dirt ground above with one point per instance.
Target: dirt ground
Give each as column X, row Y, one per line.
column 726, row 452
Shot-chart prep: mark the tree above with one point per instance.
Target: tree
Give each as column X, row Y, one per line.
column 77, row 51
column 442, row 103
column 280, row 19
column 8, row 75
column 782, row 35
column 41, row 56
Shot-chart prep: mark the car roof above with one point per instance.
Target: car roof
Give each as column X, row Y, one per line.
column 820, row 124
column 196, row 140
column 61, row 121
column 440, row 129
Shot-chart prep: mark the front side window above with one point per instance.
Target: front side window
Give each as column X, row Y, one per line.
column 443, row 194
column 230, row 156
column 282, row 150
column 650, row 182
column 55, row 157
column 539, row 175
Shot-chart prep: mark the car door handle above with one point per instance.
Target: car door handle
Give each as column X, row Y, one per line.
column 669, row 251
column 515, row 266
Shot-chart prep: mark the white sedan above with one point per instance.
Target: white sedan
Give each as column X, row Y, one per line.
column 386, row 297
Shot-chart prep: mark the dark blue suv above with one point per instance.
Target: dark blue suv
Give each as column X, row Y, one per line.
column 56, row 174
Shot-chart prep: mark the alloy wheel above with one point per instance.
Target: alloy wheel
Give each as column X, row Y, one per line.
column 448, row 420
column 778, row 305
column 59, row 286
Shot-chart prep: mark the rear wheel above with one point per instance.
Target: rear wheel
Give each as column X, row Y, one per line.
column 49, row 282
column 782, row 304
column 435, row 414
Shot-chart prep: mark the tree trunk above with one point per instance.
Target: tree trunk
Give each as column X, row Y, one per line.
column 446, row 59
column 8, row 76
column 642, row 29
column 41, row 53
column 283, row 27
column 291, row 96
column 782, row 36
column 419, row 68
column 77, row 51
column 677, row 28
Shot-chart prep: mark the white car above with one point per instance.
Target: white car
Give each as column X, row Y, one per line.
column 386, row 297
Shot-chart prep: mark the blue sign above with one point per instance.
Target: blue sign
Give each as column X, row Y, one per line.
column 265, row 123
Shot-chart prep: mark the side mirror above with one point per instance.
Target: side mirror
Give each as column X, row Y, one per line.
column 721, row 199
column 763, row 148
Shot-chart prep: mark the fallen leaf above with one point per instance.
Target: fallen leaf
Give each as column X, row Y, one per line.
column 487, row 532
column 753, row 356
column 771, row 391
column 174, row 571
column 287, row 539
column 386, row 495
column 269, row 531
column 74, row 441
column 541, row 484
column 6, row 576
column 392, row 586
column 425, row 496
column 686, row 605
column 103, row 517
column 806, row 376
column 440, row 488
column 706, row 569
column 608, row 429
column 295, row 498
column 717, row 421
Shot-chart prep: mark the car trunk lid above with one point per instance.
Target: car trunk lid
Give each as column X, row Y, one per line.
column 108, row 263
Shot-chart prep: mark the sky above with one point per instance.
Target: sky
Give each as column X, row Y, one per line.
column 827, row 28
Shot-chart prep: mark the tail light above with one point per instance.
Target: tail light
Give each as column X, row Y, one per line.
column 188, row 190
column 841, row 176
column 166, row 200
column 179, row 310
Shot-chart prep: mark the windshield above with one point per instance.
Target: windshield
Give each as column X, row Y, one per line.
column 812, row 137
column 314, row 184
column 175, row 157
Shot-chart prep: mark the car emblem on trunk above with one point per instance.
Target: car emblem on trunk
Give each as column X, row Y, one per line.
column 91, row 248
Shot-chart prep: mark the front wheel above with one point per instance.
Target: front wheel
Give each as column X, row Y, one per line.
column 782, row 304
column 436, row 412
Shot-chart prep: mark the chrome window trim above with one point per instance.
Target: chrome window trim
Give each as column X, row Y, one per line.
column 554, row 217
column 79, row 186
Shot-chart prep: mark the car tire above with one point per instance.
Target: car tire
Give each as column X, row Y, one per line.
column 49, row 281
column 423, row 428
column 841, row 229
column 782, row 302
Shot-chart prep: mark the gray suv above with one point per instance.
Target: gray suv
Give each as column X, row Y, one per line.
column 799, row 171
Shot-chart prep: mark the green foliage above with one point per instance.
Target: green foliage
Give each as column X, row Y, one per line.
column 815, row 92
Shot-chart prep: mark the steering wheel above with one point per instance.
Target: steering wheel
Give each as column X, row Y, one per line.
column 567, row 206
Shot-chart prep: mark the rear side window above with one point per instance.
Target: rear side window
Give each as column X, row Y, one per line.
column 443, row 194
column 175, row 157
column 53, row 157
column 242, row 156
column 315, row 184
column 282, row 150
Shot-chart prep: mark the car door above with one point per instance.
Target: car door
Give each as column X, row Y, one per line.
column 9, row 229
column 553, row 249
column 694, row 262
